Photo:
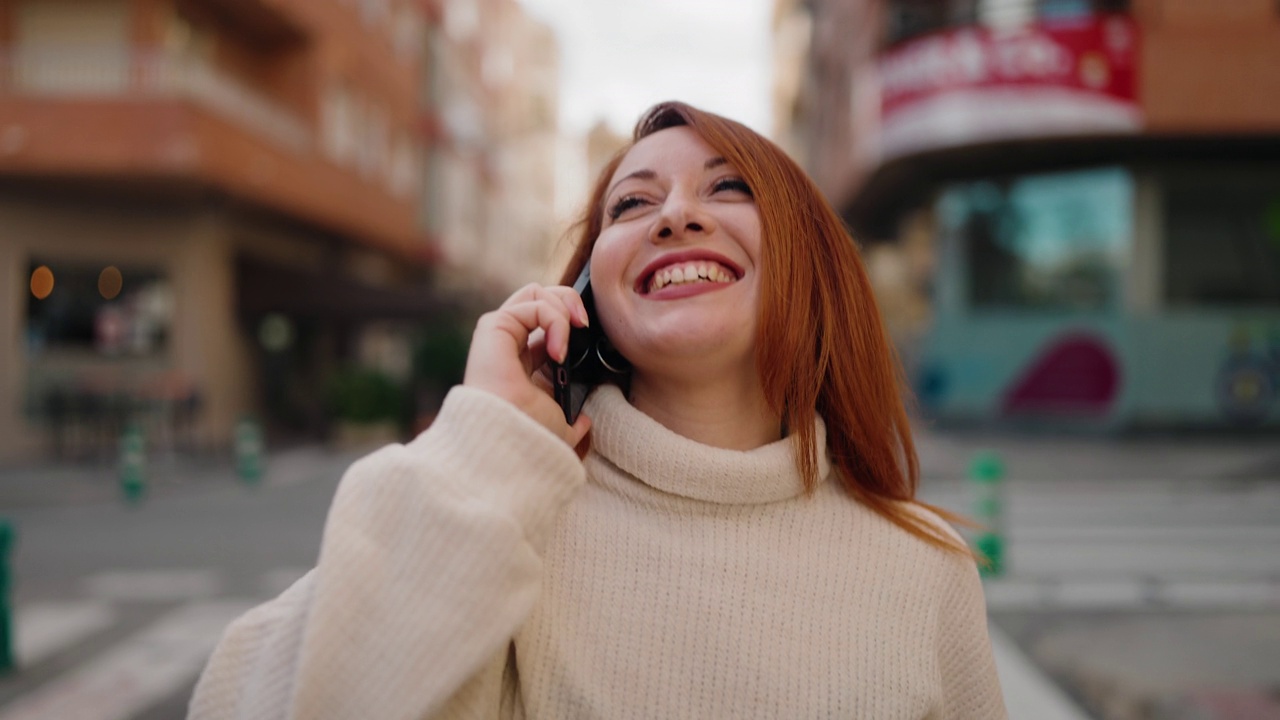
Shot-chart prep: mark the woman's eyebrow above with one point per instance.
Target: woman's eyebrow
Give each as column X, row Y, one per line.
column 639, row 174
column 646, row 174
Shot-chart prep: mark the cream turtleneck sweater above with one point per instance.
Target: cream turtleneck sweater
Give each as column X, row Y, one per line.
column 473, row 574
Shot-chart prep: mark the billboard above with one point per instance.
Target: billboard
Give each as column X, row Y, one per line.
column 980, row 84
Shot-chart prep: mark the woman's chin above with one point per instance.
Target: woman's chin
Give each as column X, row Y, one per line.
column 693, row 348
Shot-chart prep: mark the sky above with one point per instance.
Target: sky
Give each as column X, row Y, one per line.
column 618, row 57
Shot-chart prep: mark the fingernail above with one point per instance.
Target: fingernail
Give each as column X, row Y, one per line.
column 582, row 315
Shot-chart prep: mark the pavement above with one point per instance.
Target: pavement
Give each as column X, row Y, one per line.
column 1142, row 584
column 166, row 475
column 1144, row 578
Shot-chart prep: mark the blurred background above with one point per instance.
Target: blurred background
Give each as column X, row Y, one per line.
column 243, row 242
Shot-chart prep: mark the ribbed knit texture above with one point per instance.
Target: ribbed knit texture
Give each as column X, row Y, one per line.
column 681, row 581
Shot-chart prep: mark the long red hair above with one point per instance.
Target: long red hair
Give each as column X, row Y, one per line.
column 815, row 295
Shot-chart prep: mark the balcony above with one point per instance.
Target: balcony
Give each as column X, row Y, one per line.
column 123, row 113
column 64, row 73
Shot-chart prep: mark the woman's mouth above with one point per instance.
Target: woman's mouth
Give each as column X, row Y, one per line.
column 689, row 273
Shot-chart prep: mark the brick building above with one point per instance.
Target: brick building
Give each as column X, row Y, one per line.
column 206, row 204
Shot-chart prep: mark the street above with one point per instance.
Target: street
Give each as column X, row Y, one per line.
column 1124, row 598
column 118, row 606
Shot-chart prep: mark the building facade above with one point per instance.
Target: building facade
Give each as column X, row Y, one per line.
column 1073, row 205
column 205, row 205
column 491, row 95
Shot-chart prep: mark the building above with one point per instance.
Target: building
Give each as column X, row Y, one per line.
column 1073, row 205
column 492, row 93
column 207, row 205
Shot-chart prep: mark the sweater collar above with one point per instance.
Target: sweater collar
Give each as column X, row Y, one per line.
column 642, row 447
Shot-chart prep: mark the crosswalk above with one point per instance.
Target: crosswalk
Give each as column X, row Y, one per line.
column 133, row 638
column 1134, row 544
column 135, row 673
column 137, row 670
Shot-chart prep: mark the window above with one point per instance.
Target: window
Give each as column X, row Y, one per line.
column 1222, row 238
column 97, row 308
column 1046, row 242
column 71, row 46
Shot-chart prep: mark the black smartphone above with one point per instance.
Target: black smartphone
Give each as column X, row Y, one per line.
column 590, row 359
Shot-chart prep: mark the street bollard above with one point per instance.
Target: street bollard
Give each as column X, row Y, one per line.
column 986, row 484
column 133, row 464
column 249, row 450
column 8, row 661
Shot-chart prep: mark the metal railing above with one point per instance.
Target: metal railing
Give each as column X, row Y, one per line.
column 76, row 71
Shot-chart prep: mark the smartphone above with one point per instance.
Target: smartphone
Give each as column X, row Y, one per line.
column 589, row 361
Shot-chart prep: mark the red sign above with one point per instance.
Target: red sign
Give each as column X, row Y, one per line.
column 979, row 84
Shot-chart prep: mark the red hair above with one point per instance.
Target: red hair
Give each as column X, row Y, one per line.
column 822, row 344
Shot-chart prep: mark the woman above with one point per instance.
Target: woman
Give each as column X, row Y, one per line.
column 738, row 540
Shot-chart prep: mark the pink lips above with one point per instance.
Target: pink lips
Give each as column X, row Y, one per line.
column 642, row 283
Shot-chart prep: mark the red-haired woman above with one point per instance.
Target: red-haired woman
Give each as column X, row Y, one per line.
column 739, row 537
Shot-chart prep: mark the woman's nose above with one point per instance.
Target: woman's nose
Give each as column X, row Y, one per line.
column 681, row 215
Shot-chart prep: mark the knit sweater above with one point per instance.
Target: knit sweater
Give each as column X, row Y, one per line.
column 472, row 573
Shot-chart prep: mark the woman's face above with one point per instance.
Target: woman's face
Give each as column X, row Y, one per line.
column 676, row 268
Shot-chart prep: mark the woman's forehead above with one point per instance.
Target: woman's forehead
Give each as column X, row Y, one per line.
column 671, row 147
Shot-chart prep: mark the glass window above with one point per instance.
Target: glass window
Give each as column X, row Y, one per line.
column 1222, row 238
column 103, row 309
column 1046, row 242
column 71, row 47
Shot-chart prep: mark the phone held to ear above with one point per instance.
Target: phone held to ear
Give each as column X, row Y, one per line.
column 590, row 359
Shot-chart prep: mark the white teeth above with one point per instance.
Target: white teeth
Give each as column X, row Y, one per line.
column 690, row 273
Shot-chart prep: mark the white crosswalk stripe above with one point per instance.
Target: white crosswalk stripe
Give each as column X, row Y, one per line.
column 1133, row 544
column 44, row 629
column 153, row 585
column 135, row 673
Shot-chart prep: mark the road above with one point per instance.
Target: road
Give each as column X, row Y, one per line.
column 118, row 605
column 1123, row 595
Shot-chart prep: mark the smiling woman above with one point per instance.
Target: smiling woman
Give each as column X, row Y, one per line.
column 739, row 537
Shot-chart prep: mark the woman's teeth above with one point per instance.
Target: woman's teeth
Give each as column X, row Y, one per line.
column 693, row 272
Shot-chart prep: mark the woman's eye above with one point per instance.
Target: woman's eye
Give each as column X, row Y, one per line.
column 733, row 184
column 624, row 205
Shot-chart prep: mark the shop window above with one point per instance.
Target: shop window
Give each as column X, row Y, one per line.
column 1222, row 239
column 1056, row 242
column 100, row 309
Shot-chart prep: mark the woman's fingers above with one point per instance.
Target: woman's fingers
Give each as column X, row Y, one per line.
column 510, row 343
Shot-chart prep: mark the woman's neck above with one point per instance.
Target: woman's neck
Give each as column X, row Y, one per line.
column 726, row 413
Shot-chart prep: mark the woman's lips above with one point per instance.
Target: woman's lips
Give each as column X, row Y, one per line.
column 690, row 273
column 690, row 268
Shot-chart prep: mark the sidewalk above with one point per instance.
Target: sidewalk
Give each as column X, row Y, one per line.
column 1185, row 459
column 82, row 483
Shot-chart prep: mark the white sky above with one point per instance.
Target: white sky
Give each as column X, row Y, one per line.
column 618, row 57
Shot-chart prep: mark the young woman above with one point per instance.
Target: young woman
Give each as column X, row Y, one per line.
column 735, row 537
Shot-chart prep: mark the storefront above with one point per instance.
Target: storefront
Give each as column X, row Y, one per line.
column 1116, row 296
column 1100, row 257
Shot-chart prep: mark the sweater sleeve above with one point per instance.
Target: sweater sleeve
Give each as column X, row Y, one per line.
column 430, row 561
column 970, row 686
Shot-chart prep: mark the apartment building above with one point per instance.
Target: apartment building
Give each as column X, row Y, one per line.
column 205, row 204
column 1073, row 206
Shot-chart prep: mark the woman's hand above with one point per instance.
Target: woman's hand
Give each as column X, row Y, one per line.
column 512, row 343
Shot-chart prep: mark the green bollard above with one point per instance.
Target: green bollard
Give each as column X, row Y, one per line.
column 986, row 483
column 133, row 464
column 249, row 450
column 8, row 662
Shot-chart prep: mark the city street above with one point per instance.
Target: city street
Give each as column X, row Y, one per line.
column 1125, row 597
